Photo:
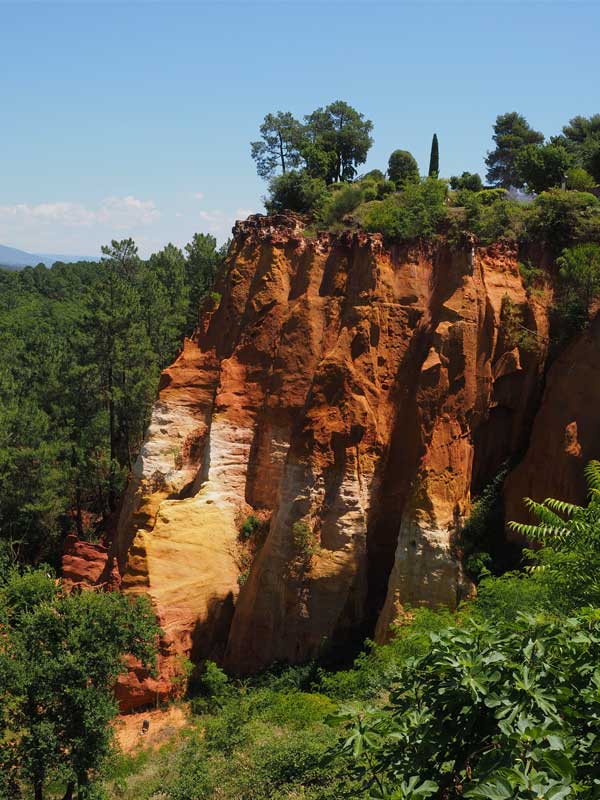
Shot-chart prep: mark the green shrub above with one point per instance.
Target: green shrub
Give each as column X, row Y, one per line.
column 489, row 712
column 579, row 180
column 291, row 761
column 249, row 527
column 341, row 202
column 416, row 212
column 305, row 539
column 210, row 689
column 295, row 709
column 562, row 217
column 468, row 180
column 532, row 276
column 491, row 215
column 375, row 667
column 192, row 780
column 579, row 287
column 295, row 191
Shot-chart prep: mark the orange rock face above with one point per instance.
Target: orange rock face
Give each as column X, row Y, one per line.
column 566, row 432
column 352, row 394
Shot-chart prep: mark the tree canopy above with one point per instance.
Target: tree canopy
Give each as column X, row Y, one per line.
column 512, row 132
column 402, row 167
column 60, row 655
column 330, row 144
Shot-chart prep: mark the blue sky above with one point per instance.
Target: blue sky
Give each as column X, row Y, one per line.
column 135, row 118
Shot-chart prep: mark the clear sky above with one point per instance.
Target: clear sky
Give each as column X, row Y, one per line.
column 134, row 118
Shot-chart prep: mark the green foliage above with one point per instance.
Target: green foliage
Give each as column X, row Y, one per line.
column 581, row 137
column 562, row 217
column 514, row 330
column 579, row 287
column 81, row 349
column 338, row 139
column 579, row 180
column 337, row 204
column 295, row 191
column 59, row 658
column 533, row 277
column 434, row 158
column 565, row 526
column 491, row 215
column 279, row 148
column 417, row 212
column 512, row 132
column 329, row 146
column 483, row 530
column 468, row 180
column 542, row 167
column 249, row 527
column 402, row 167
column 374, row 669
column 305, row 539
column 489, row 712
column 202, row 264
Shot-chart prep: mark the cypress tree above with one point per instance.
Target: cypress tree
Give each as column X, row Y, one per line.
column 434, row 158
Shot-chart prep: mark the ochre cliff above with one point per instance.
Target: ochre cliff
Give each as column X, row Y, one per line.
column 353, row 396
column 566, row 432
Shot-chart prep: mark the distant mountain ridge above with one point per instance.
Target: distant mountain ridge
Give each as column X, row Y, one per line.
column 12, row 258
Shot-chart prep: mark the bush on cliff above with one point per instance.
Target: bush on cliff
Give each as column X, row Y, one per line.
column 578, row 288
column 416, row 212
column 295, row 191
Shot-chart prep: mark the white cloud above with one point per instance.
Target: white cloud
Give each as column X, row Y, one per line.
column 121, row 212
column 198, row 196
column 65, row 225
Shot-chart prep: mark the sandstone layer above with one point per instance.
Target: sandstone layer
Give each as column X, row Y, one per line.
column 354, row 396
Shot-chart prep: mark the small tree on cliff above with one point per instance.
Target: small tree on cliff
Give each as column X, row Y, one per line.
column 282, row 137
column 434, row 158
column 60, row 656
column 402, row 167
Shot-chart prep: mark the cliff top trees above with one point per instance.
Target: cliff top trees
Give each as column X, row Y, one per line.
column 542, row 167
column 581, row 138
column 511, row 133
column 402, row 167
column 330, row 144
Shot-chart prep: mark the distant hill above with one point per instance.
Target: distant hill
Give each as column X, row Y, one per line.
column 11, row 258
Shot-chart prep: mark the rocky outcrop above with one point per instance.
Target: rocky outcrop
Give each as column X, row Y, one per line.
column 87, row 565
column 566, row 432
column 353, row 395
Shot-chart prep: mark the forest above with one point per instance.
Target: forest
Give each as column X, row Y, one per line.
column 497, row 700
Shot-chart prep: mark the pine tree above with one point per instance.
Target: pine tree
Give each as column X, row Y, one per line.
column 434, row 158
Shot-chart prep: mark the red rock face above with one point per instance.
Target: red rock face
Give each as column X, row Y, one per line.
column 88, row 566
column 566, row 432
column 354, row 395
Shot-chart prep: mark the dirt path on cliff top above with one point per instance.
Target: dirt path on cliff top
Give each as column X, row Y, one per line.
column 164, row 725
